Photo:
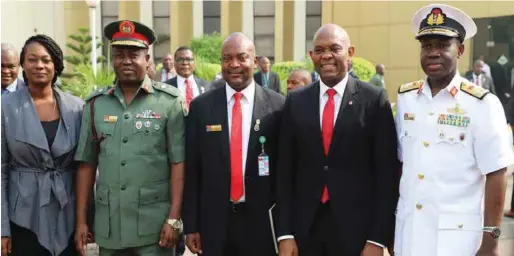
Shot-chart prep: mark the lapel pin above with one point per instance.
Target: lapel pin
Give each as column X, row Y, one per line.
column 350, row 103
column 257, row 124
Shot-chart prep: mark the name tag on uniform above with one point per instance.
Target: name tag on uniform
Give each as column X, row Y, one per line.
column 110, row 119
column 213, row 128
column 409, row 116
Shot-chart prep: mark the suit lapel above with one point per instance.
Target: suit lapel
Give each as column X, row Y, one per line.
column 199, row 84
column 312, row 112
column 220, row 112
column 344, row 116
column 174, row 82
column 63, row 140
column 260, row 107
column 29, row 129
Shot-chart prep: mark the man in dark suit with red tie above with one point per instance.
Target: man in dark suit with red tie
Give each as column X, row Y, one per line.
column 231, row 149
column 337, row 172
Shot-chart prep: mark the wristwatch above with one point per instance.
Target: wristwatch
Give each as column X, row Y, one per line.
column 494, row 231
column 174, row 223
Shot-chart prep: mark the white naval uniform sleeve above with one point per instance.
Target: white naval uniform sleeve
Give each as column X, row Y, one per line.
column 491, row 146
column 399, row 122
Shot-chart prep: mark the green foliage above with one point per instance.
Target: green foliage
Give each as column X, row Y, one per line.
column 80, row 44
column 81, row 82
column 208, row 48
column 363, row 68
column 205, row 70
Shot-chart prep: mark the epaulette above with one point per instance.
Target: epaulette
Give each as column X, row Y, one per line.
column 410, row 86
column 171, row 90
column 98, row 92
column 474, row 90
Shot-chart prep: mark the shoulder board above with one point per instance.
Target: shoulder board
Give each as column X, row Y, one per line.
column 410, row 86
column 474, row 90
column 97, row 93
column 163, row 87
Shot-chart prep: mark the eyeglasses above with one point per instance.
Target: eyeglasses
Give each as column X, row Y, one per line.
column 184, row 60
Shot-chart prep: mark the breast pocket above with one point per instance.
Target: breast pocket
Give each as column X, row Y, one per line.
column 452, row 140
column 408, row 135
column 108, row 143
column 150, row 133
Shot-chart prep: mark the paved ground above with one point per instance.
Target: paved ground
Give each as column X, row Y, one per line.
column 506, row 241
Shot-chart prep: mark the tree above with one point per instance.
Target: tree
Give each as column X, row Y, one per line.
column 81, row 45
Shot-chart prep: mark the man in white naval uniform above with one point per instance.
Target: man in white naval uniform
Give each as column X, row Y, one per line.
column 454, row 146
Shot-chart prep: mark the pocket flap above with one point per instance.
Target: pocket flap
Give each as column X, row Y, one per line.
column 154, row 193
column 105, row 128
column 102, row 195
column 460, row 221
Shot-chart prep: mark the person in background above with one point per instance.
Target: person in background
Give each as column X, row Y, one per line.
column 478, row 76
column 350, row 70
column 134, row 133
column 265, row 77
column 231, row 143
column 485, row 68
column 298, row 78
column 151, row 69
column 510, row 119
column 40, row 131
column 167, row 71
column 189, row 85
column 10, row 69
column 378, row 78
column 454, row 148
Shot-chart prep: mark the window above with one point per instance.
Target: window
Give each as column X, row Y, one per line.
column 211, row 17
column 312, row 22
column 109, row 14
column 264, row 28
column 161, row 25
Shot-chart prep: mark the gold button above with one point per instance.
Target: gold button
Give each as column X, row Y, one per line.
column 421, row 176
column 460, row 225
column 419, row 206
column 426, row 144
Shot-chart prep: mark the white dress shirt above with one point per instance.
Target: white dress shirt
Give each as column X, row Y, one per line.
column 323, row 98
column 247, row 110
column 445, row 164
column 13, row 86
column 181, row 84
column 166, row 75
column 477, row 80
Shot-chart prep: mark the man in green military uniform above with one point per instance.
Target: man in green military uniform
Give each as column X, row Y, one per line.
column 134, row 133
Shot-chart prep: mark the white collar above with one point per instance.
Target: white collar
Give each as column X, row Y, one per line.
column 13, row 86
column 453, row 87
column 181, row 79
column 339, row 87
column 247, row 92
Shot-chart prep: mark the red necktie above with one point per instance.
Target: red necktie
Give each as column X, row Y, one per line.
column 189, row 93
column 327, row 128
column 236, row 150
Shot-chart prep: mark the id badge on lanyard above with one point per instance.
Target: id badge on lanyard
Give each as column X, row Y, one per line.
column 263, row 159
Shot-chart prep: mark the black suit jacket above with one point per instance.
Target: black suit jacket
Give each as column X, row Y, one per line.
column 273, row 81
column 206, row 206
column 361, row 169
column 203, row 85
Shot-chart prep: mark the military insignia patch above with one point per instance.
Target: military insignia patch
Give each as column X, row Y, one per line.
column 410, row 86
column 473, row 90
column 127, row 27
column 436, row 17
column 457, row 110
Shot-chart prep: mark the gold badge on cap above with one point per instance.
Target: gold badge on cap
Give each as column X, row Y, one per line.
column 436, row 17
column 127, row 27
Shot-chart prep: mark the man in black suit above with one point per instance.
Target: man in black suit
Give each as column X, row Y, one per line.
column 10, row 69
column 190, row 85
column 478, row 76
column 229, row 182
column 265, row 77
column 337, row 172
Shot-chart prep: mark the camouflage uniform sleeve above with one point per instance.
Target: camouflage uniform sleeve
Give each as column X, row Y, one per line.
column 175, row 131
column 86, row 147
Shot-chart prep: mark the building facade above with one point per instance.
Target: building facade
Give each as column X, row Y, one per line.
column 281, row 30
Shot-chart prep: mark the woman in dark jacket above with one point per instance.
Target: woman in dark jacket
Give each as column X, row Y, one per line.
column 40, row 131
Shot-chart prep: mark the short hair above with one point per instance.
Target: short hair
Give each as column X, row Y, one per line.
column 306, row 72
column 53, row 49
column 479, row 61
column 180, row 49
column 7, row 47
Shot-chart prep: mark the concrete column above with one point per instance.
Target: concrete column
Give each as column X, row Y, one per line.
column 284, row 35
column 299, row 23
column 327, row 13
column 197, row 18
column 237, row 16
column 186, row 22
column 248, row 19
column 129, row 10
column 146, row 17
